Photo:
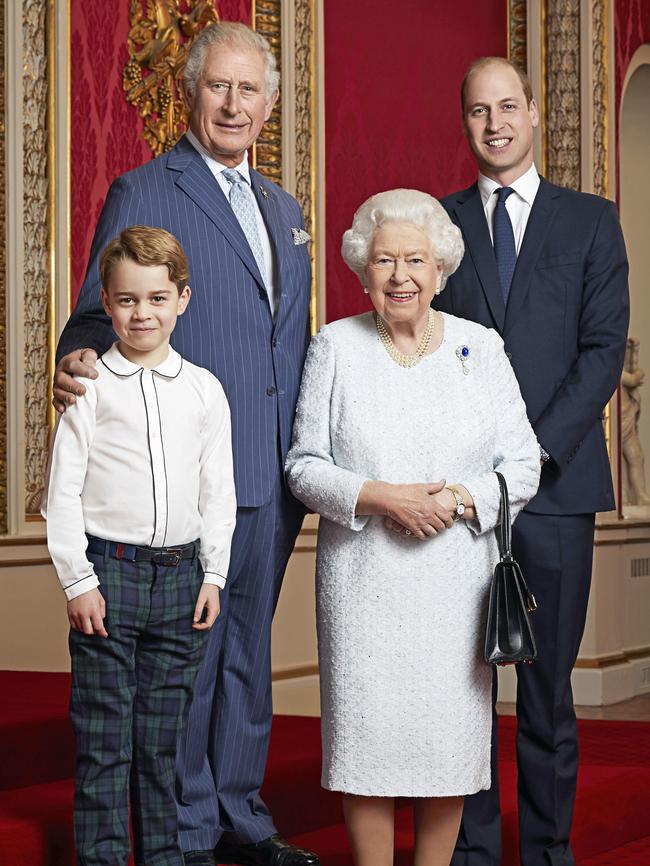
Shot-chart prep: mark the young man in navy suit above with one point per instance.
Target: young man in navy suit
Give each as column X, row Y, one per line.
column 249, row 325
column 546, row 268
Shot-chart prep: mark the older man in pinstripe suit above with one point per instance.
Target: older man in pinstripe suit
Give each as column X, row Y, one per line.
column 248, row 324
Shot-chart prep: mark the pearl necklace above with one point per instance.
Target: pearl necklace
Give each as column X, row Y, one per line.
column 399, row 357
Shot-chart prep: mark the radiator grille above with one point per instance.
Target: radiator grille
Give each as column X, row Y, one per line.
column 640, row 567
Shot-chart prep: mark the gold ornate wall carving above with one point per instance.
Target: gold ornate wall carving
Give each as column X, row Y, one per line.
column 600, row 60
column 267, row 153
column 518, row 33
column 3, row 285
column 305, row 135
column 562, row 108
column 158, row 43
column 36, row 247
column 304, row 109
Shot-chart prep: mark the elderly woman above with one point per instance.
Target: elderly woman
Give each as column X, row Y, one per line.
column 403, row 416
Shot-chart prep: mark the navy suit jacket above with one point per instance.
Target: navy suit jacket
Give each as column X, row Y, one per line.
column 565, row 329
column 228, row 326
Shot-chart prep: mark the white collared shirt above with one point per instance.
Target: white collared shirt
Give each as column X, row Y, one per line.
column 518, row 204
column 217, row 169
column 143, row 458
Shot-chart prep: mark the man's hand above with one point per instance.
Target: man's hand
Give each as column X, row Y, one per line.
column 81, row 362
column 208, row 600
column 86, row 613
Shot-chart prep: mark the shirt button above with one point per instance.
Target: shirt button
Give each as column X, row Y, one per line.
column 275, row 343
column 271, row 391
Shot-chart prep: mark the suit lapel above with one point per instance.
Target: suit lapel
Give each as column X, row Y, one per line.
column 539, row 223
column 471, row 216
column 197, row 181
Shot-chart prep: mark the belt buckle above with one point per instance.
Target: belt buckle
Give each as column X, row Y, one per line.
column 169, row 558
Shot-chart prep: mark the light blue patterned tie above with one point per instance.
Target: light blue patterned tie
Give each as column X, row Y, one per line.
column 241, row 202
column 504, row 241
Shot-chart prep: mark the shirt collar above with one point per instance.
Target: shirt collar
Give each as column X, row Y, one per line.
column 115, row 361
column 525, row 186
column 213, row 164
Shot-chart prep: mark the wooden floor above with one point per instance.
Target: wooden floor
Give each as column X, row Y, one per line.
column 635, row 710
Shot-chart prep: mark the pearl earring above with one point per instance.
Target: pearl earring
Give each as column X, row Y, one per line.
column 365, row 290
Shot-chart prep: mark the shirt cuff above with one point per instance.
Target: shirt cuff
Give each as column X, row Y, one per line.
column 214, row 578
column 84, row 584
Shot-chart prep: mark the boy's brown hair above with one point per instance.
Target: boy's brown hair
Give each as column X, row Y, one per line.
column 149, row 247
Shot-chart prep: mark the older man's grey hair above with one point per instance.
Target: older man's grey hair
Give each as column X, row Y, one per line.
column 234, row 34
column 403, row 206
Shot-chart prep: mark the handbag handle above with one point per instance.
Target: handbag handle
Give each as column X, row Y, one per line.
column 504, row 540
column 504, row 537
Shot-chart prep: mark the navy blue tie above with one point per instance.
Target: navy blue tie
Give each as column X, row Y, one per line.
column 504, row 242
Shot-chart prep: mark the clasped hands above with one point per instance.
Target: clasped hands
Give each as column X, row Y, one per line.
column 418, row 510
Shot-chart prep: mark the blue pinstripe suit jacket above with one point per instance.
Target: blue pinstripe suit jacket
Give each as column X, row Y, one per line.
column 228, row 326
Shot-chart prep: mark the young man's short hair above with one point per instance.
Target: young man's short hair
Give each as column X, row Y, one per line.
column 146, row 246
column 488, row 61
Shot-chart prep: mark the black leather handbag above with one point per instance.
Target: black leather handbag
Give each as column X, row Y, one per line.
column 509, row 635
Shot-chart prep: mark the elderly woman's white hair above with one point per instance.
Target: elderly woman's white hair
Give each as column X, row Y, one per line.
column 403, row 206
column 234, row 34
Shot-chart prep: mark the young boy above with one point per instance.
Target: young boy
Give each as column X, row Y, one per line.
column 140, row 513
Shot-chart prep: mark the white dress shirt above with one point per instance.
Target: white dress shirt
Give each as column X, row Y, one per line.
column 518, row 205
column 144, row 458
column 217, row 168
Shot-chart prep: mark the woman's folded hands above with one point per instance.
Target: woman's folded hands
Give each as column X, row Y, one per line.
column 420, row 510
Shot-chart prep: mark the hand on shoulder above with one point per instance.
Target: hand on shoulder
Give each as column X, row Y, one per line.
column 66, row 389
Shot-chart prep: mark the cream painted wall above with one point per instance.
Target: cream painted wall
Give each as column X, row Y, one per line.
column 634, row 198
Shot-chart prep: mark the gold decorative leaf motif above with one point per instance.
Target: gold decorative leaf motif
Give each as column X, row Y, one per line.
column 159, row 39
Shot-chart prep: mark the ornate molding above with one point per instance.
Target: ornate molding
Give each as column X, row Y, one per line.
column 3, row 286
column 600, row 72
column 158, row 44
column 518, row 33
column 36, row 191
column 304, row 108
column 562, row 55
column 267, row 152
column 305, row 132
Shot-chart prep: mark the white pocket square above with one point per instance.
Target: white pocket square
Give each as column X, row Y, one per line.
column 300, row 236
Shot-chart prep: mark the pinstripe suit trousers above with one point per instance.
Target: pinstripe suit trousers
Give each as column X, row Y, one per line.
column 222, row 753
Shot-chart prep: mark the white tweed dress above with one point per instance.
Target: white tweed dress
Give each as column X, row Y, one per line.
column 405, row 695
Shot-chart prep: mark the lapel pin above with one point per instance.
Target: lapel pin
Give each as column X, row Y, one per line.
column 264, row 192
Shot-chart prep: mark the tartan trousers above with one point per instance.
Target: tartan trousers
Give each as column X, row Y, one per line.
column 129, row 700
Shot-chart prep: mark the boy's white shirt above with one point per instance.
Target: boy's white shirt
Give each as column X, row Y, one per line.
column 143, row 458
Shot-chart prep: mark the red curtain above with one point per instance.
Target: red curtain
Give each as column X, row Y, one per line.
column 392, row 115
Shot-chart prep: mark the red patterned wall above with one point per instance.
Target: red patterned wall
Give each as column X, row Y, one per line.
column 392, row 75
column 106, row 131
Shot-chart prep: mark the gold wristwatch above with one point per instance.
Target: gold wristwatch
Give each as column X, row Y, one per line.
column 460, row 505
